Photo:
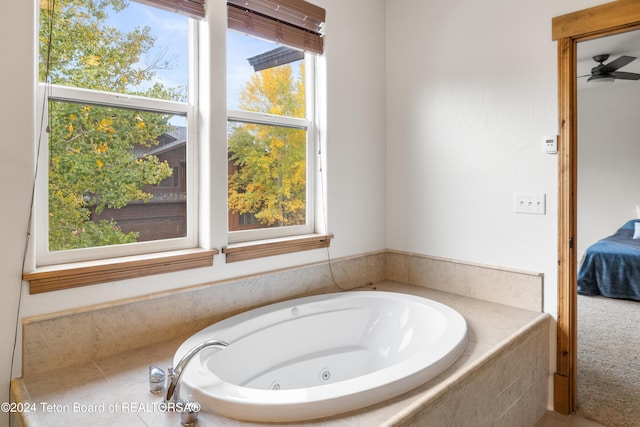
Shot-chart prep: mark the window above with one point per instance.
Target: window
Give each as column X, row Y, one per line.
column 118, row 131
column 271, row 138
column 117, row 147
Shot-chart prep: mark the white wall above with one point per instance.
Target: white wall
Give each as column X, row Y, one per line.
column 608, row 156
column 354, row 130
column 16, row 153
column 472, row 91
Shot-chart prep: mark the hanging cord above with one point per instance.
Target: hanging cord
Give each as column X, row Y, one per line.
column 44, row 118
column 324, row 216
column 322, row 183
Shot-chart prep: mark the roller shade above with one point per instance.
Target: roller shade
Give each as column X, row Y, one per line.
column 192, row 8
column 295, row 23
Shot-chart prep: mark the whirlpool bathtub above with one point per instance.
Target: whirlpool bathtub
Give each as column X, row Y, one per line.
column 323, row 355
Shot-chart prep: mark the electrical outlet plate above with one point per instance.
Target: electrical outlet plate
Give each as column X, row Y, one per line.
column 530, row 203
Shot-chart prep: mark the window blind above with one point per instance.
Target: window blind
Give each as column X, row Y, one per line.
column 294, row 23
column 192, row 8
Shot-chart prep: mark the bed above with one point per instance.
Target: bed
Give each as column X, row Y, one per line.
column 611, row 266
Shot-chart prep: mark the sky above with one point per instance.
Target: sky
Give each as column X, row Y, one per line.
column 241, row 47
column 171, row 32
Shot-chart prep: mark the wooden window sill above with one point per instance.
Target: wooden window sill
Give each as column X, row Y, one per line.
column 264, row 248
column 65, row 276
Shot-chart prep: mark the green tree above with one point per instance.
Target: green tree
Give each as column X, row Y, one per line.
column 269, row 173
column 92, row 157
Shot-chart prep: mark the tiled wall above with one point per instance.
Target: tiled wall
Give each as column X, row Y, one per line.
column 508, row 390
column 94, row 332
column 516, row 288
column 67, row 338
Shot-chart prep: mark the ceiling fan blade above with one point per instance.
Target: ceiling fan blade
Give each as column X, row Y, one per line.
column 626, row 76
column 617, row 63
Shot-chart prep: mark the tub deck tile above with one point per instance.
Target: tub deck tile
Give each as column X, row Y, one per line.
column 120, row 382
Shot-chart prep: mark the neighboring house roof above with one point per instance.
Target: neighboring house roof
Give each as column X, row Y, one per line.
column 278, row 56
column 166, row 142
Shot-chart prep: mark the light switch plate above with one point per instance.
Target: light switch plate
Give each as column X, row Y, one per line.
column 530, row 203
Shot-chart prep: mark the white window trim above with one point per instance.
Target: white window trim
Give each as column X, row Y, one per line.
column 70, row 94
column 244, row 116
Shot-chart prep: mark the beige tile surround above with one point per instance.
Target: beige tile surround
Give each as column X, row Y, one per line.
column 95, row 332
column 496, row 284
column 92, row 336
column 89, row 333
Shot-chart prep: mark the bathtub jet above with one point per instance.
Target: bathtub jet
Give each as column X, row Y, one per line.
column 320, row 356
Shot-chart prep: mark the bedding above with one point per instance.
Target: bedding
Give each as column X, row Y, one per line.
column 611, row 266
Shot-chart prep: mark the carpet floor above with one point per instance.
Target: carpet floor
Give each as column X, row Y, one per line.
column 609, row 361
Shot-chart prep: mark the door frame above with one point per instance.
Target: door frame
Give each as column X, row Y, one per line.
column 599, row 21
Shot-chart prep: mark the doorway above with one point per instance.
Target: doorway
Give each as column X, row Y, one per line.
column 568, row 30
column 608, row 379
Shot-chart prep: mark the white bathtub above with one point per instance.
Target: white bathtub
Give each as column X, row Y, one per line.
column 322, row 355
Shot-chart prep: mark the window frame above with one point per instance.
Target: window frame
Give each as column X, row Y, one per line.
column 309, row 125
column 46, row 92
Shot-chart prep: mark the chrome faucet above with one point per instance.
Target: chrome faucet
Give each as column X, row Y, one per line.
column 177, row 371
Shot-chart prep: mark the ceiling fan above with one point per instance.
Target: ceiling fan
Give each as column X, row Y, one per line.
column 609, row 72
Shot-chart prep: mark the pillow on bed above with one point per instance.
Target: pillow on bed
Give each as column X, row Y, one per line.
column 636, row 233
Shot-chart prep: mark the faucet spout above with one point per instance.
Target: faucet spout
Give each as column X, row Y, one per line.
column 179, row 368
